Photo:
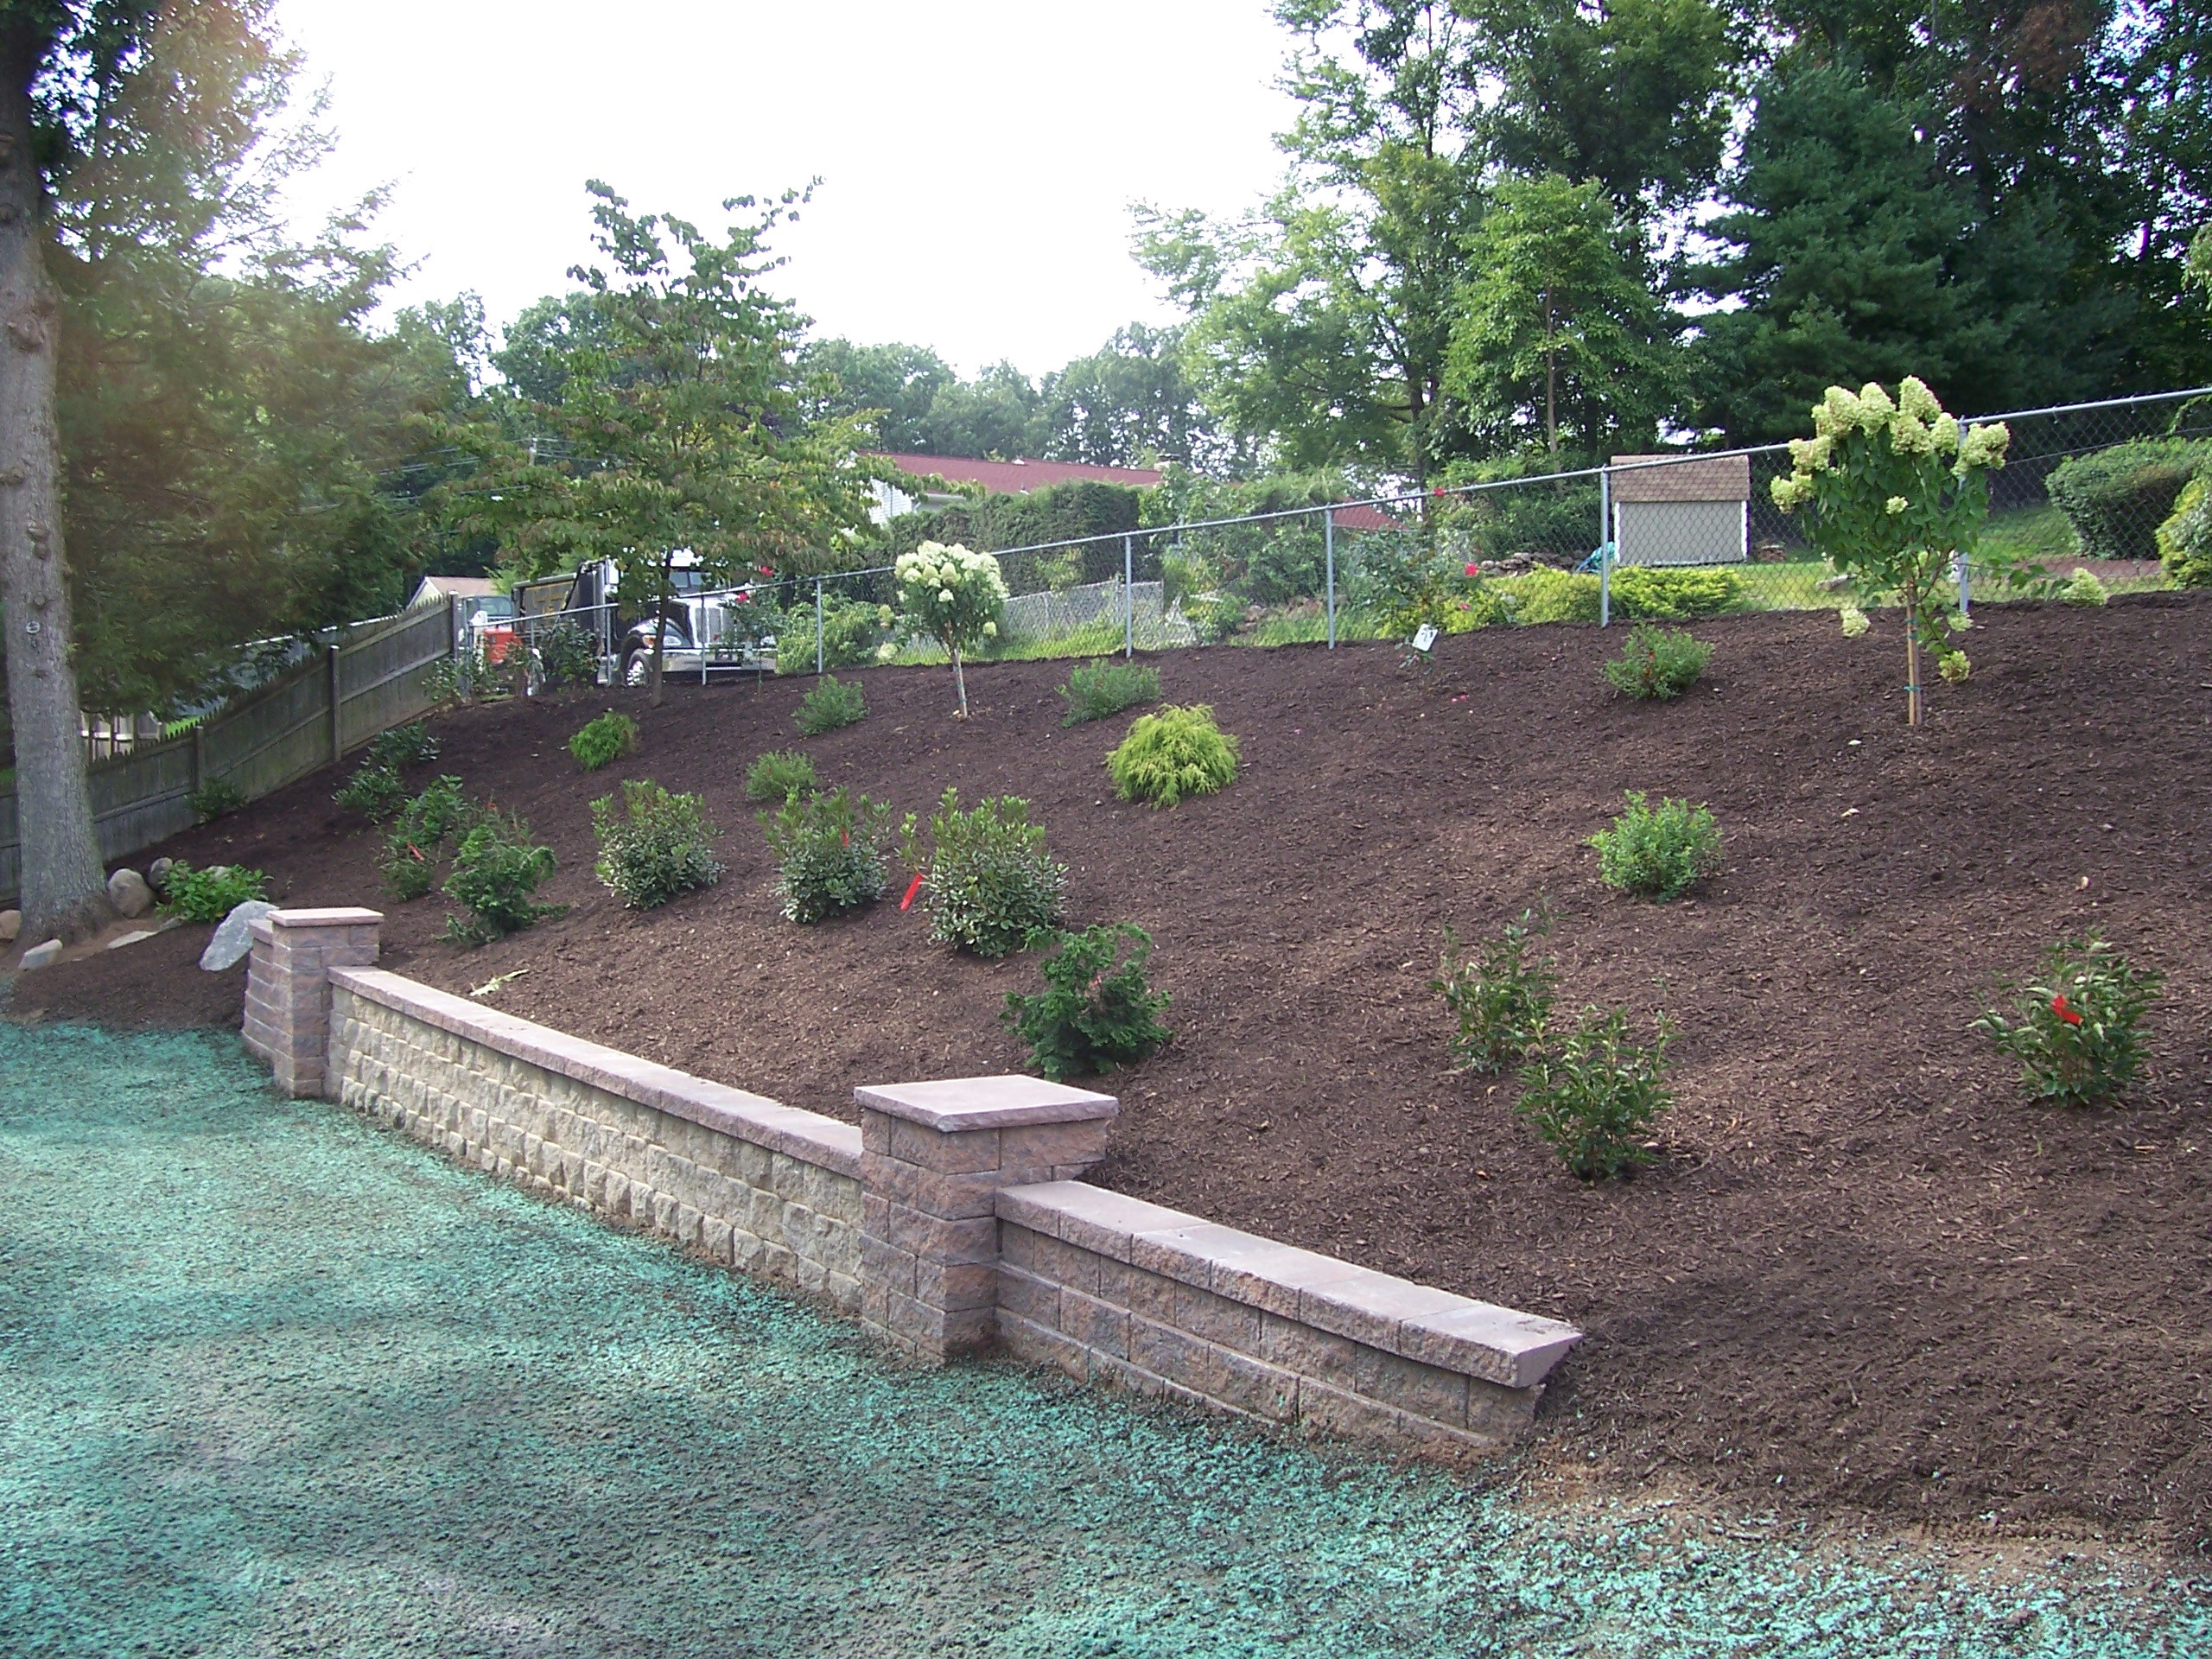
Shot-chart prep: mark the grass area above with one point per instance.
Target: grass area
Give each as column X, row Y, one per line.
column 274, row 1380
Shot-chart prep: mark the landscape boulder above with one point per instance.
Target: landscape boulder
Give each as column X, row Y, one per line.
column 158, row 871
column 128, row 892
column 11, row 926
column 234, row 939
column 41, row 956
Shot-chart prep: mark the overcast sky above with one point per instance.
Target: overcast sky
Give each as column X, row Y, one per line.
column 977, row 157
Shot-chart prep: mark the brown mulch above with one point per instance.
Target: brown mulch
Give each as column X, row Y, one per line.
column 1866, row 1276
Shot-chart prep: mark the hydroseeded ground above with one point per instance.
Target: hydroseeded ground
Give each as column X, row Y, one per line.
column 272, row 1381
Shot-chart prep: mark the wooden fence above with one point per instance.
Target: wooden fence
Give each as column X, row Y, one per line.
column 371, row 678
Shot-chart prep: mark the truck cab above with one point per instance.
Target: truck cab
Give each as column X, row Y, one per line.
column 706, row 632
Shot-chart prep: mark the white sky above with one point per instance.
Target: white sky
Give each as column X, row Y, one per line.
column 977, row 157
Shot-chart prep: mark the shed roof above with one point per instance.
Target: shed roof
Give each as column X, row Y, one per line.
column 1682, row 477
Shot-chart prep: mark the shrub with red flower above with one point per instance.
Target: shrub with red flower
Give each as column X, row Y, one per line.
column 2075, row 1032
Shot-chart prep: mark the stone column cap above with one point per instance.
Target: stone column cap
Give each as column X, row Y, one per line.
column 340, row 916
column 1002, row 1103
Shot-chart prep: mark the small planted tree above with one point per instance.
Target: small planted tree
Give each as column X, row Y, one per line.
column 1898, row 490
column 953, row 596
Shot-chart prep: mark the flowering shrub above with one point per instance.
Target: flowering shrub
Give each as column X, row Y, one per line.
column 1897, row 490
column 601, row 741
column 954, row 596
column 656, row 847
column 987, row 880
column 1501, row 999
column 1658, row 853
column 2084, row 588
column 830, row 851
column 1593, row 1093
column 495, row 870
column 1657, row 663
column 1175, row 752
column 2074, row 1031
column 1093, row 1016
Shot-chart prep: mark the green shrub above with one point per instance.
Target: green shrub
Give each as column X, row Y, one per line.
column 603, row 741
column 496, row 869
column 210, row 895
column 655, row 847
column 566, row 657
column 780, row 773
column 1658, row 853
column 1092, row 1015
column 850, row 628
column 1174, row 754
column 411, row 745
column 1657, row 663
column 1095, row 690
column 2084, row 588
column 1643, row 593
column 988, row 881
column 2116, row 499
column 1553, row 596
column 830, row 853
column 2074, row 1031
column 213, row 800
column 2185, row 538
column 1592, row 1095
column 830, row 705
column 374, row 792
column 408, row 860
column 1502, row 999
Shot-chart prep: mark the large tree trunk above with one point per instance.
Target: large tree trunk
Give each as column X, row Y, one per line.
column 65, row 889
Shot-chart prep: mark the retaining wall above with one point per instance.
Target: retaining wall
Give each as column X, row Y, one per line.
column 948, row 1221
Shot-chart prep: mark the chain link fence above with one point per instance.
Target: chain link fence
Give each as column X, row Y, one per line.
column 1679, row 536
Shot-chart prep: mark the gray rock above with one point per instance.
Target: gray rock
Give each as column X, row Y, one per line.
column 41, row 956
column 128, row 892
column 158, row 871
column 233, row 940
column 122, row 939
column 11, row 926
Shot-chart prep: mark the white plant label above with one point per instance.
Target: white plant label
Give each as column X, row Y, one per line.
column 1425, row 638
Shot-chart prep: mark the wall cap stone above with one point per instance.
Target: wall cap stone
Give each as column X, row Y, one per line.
column 338, row 916
column 808, row 1136
column 1438, row 1327
column 953, row 1105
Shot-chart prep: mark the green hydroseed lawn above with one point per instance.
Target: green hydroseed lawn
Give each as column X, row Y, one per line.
column 274, row 1380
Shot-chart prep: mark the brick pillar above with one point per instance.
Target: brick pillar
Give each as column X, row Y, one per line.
column 287, row 988
column 934, row 1157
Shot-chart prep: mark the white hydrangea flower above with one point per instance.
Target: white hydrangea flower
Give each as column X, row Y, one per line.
column 1791, row 490
column 1854, row 622
column 1875, row 409
column 1946, row 434
column 1909, row 437
column 1894, row 504
column 990, row 630
column 1984, row 446
column 1915, row 399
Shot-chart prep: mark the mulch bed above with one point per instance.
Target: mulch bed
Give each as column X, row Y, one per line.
column 1865, row 1274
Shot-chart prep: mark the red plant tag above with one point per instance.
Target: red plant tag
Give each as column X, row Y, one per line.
column 2058, row 1006
column 912, row 887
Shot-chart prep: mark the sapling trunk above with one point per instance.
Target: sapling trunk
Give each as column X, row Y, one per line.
column 959, row 680
column 1911, row 653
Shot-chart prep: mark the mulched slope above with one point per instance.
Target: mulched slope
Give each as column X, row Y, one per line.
column 1866, row 1275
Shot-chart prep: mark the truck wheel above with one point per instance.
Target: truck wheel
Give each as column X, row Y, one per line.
column 637, row 666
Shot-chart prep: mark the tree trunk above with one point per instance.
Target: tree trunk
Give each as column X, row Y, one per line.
column 660, row 626
column 960, row 682
column 64, row 888
column 1912, row 654
column 1551, row 381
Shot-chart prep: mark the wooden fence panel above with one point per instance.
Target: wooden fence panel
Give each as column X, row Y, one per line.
column 303, row 720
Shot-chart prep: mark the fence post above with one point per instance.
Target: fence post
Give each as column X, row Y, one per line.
column 1328, row 567
column 337, row 732
column 1959, row 571
column 1128, row 596
column 817, row 625
column 1605, row 547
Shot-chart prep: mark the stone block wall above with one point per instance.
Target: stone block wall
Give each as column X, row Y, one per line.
column 1114, row 1290
column 762, row 1187
column 288, row 993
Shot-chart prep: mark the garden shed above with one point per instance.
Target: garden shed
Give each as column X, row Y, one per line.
column 1683, row 508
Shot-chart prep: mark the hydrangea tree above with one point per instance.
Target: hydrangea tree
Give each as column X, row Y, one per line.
column 1898, row 492
column 954, row 596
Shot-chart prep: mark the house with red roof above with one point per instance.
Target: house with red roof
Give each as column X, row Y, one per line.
column 1017, row 477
